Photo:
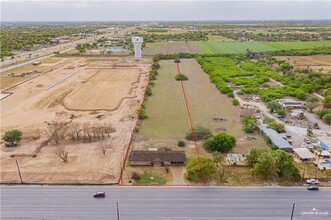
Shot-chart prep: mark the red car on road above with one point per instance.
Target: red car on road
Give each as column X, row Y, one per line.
column 99, row 195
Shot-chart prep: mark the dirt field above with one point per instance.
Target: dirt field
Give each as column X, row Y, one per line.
column 8, row 81
column 36, row 104
column 98, row 94
column 316, row 62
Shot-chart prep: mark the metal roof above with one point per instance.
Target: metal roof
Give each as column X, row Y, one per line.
column 304, row 153
column 275, row 138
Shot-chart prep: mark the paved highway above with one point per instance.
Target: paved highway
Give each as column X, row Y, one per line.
column 163, row 203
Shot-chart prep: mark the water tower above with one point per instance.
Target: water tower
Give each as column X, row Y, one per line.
column 137, row 41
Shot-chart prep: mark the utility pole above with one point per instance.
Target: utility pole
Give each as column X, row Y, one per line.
column 292, row 211
column 19, row 172
column 118, row 212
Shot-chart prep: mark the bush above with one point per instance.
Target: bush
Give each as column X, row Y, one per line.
column 235, row 102
column 200, row 132
column 13, row 136
column 279, row 127
column 149, row 92
column 249, row 124
column 181, row 143
column 323, row 112
column 222, row 142
column 230, row 95
column 327, row 118
column 181, row 77
column 142, row 113
column 135, row 176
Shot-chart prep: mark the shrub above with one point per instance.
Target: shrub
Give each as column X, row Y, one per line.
column 181, row 143
column 323, row 112
column 142, row 113
column 327, row 118
column 135, row 176
column 200, row 133
column 12, row 136
column 235, row 102
column 149, row 92
column 230, row 95
column 181, row 77
column 279, row 127
column 249, row 124
column 222, row 142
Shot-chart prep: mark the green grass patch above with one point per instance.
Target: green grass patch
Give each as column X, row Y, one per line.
column 241, row 47
column 151, row 178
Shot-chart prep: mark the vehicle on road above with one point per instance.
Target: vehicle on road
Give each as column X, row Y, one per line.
column 312, row 187
column 313, row 181
column 99, row 195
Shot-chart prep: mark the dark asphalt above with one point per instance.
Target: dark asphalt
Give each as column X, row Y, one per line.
column 164, row 203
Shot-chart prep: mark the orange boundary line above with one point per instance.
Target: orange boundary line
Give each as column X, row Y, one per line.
column 191, row 126
column 120, row 181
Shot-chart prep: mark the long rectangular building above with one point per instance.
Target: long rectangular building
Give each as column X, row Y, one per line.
column 275, row 138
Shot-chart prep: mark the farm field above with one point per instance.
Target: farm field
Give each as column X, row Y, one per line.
column 241, row 47
column 208, row 107
column 34, row 106
column 168, row 121
column 316, row 62
column 216, row 45
column 171, row 47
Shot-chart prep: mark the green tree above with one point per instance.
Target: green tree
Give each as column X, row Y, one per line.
column 274, row 106
column 309, row 131
column 200, row 133
column 311, row 106
column 218, row 157
column 285, row 165
column 265, row 166
column 279, row 127
column 194, row 171
column 222, row 142
column 249, row 124
column 235, row 102
column 253, row 156
column 12, row 136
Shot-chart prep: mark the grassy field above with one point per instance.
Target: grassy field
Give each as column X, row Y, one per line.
column 171, row 47
column 209, row 108
column 217, row 44
column 166, row 110
column 241, row 47
column 218, row 38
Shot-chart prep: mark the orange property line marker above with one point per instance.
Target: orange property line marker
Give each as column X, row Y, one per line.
column 191, row 126
column 120, row 181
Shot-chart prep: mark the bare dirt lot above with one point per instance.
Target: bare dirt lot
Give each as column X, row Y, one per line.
column 103, row 100
column 317, row 62
column 111, row 86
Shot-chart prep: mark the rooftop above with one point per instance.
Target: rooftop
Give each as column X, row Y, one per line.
column 276, row 138
column 304, row 153
column 162, row 154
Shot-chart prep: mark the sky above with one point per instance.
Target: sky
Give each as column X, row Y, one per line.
column 162, row 10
